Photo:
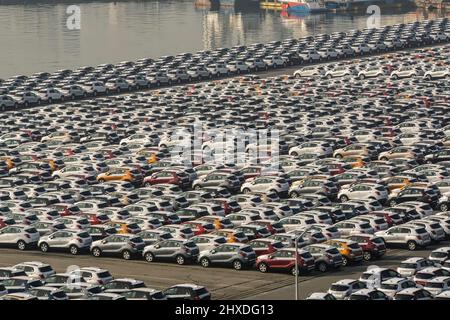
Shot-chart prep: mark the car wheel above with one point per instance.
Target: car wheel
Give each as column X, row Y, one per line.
column 149, row 257
column 361, row 77
column 96, row 252
column 294, row 154
column 44, row 247
column 367, row 255
column 147, row 184
column 237, row 265
column 339, row 156
column 298, row 76
column 126, row 254
column 392, row 203
column 322, row 267
column 343, row 198
column 443, row 207
column 21, row 245
column 428, row 77
column 197, row 187
column 50, row 100
column 294, row 194
column 384, row 159
column 412, row 245
column 263, row 267
column 246, row 190
column 73, row 250
column 179, row 80
column 204, row 262
column 101, row 180
column 295, row 271
column 180, row 260
column 344, row 261
column 118, row 90
column 95, row 93
column 26, row 104
column 73, row 97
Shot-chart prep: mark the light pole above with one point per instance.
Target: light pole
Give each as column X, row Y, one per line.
column 296, row 260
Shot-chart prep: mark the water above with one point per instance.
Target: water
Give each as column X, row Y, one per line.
column 35, row 37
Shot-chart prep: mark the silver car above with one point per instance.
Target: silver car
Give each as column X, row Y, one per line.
column 72, row 240
column 124, row 245
column 20, row 236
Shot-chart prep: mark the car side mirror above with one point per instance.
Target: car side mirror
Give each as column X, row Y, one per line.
column 213, row 251
column 157, row 246
column 104, row 241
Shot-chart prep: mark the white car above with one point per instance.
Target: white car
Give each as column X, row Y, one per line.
column 237, row 67
column 391, row 286
column 403, row 72
column 433, row 228
column 345, row 287
column 338, row 72
column 362, row 191
column 35, row 269
column 51, row 94
column 372, row 72
column 92, row 275
column 295, row 223
column 266, row 184
column 436, row 73
column 437, row 285
column 72, row 240
column 409, row 236
column 318, row 148
column 349, row 227
column 308, row 72
column 409, row 267
column 21, row 236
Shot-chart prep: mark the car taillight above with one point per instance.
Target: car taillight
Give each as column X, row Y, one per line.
column 41, row 276
column 242, row 254
column 27, row 236
column 79, row 240
column 100, row 282
column 419, row 237
column 196, row 298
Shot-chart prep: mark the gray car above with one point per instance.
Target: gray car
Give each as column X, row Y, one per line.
column 176, row 250
column 237, row 255
column 325, row 256
column 124, row 245
column 72, row 240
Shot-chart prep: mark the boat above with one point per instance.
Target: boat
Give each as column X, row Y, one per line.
column 303, row 6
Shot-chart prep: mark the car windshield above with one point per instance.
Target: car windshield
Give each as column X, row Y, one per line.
column 403, row 297
column 434, row 285
column 336, row 287
column 388, row 286
column 358, row 297
column 439, row 255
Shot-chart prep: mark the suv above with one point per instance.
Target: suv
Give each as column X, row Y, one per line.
column 375, row 276
column 187, row 292
column 21, row 236
column 325, row 256
column 35, row 269
column 411, row 236
column 72, row 240
column 124, row 245
column 266, row 184
column 172, row 249
column 236, row 254
column 345, row 287
column 372, row 246
column 284, row 259
column 93, row 275
column 350, row 250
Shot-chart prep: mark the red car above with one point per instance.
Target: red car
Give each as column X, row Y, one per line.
column 97, row 218
column 372, row 246
column 6, row 222
column 265, row 246
column 167, row 176
column 200, row 227
column 228, row 205
column 284, row 260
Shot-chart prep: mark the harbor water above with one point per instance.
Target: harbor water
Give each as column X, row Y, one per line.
column 36, row 37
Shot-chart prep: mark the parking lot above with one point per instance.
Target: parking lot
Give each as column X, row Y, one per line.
column 346, row 158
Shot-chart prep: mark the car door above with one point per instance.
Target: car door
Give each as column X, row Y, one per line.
column 57, row 239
